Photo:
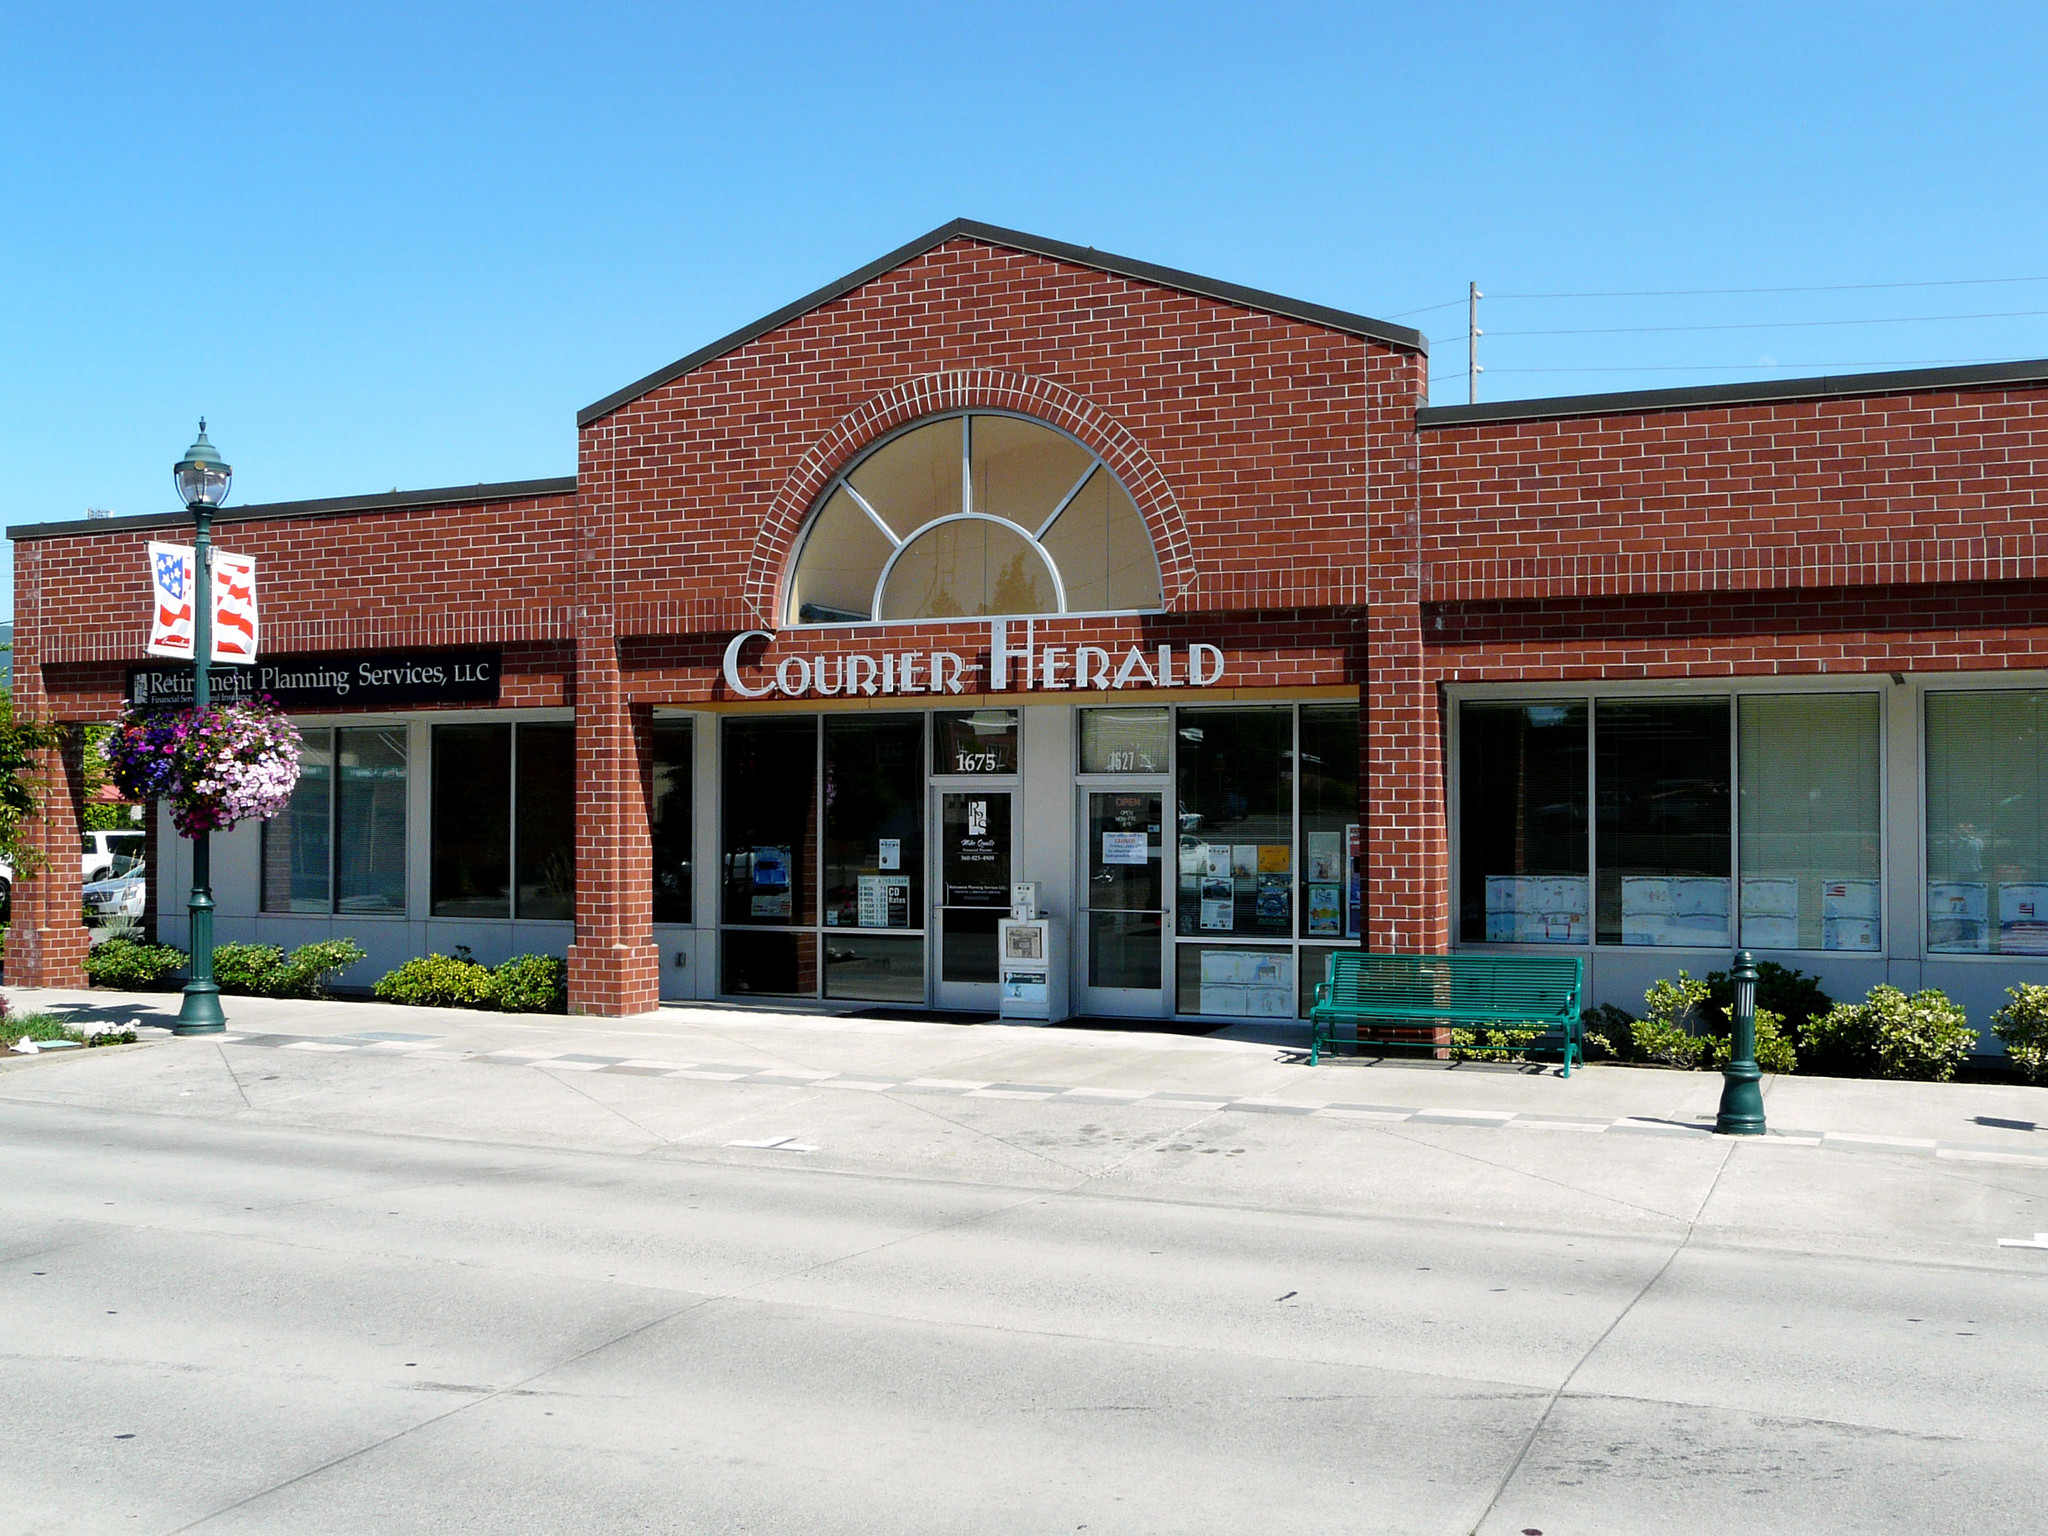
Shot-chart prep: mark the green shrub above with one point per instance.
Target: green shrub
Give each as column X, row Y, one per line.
column 1608, row 1033
column 438, row 981
column 1923, row 1037
column 246, row 970
column 1793, row 996
column 531, row 984
column 264, row 970
column 2022, row 1025
column 1679, row 1029
column 132, row 967
column 306, row 971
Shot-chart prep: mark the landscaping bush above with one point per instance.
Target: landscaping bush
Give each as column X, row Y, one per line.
column 1793, row 996
column 1678, row 1029
column 531, row 984
column 246, row 970
column 439, row 981
column 1923, row 1037
column 264, row 970
column 1608, row 1033
column 2022, row 1025
column 133, row 967
column 306, row 970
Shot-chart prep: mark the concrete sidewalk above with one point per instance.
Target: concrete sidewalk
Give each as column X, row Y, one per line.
column 1250, row 1067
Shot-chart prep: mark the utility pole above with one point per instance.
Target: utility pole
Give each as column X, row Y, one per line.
column 1472, row 335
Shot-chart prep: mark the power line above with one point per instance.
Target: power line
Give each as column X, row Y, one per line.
column 1757, row 325
column 1676, row 293
column 1864, row 366
column 1404, row 314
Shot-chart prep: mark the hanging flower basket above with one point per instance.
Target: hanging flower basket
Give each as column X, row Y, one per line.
column 239, row 762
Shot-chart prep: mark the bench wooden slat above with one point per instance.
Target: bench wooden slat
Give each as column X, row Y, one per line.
column 1502, row 991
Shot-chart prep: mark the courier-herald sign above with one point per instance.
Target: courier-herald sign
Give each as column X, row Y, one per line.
column 346, row 680
column 1017, row 662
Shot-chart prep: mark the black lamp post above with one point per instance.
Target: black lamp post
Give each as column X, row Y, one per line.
column 202, row 481
column 1742, row 1099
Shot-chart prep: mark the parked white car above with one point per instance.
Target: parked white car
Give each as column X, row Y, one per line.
column 124, row 895
column 109, row 854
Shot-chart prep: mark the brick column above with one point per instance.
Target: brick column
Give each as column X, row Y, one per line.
column 614, row 966
column 1407, row 844
column 46, row 939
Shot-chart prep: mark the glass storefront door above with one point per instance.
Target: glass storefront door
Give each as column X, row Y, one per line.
column 972, row 893
column 1123, row 942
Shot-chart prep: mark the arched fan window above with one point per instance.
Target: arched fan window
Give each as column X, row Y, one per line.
column 968, row 515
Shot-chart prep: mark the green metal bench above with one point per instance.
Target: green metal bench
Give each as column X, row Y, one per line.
column 1401, row 996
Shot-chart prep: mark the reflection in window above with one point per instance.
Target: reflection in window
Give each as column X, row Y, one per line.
column 472, row 826
column 369, row 820
column 874, row 824
column 770, row 809
column 297, row 842
column 670, row 821
column 546, row 821
column 1810, row 819
column 1124, row 741
column 975, row 742
column 1662, row 822
column 1987, row 823
column 1522, row 804
column 972, row 515
column 1332, row 885
column 1235, row 784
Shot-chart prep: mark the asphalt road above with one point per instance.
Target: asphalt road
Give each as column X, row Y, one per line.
column 267, row 1291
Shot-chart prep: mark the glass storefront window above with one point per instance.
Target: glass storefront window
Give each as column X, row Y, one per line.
column 1522, row 824
column 1124, row 741
column 1235, row 790
column 975, row 742
column 298, row 841
column 472, row 846
column 369, row 819
column 1810, row 818
column 1662, row 830
column 873, row 968
column 766, row 961
column 1331, row 894
column 770, row 811
column 1315, row 967
column 1987, row 823
column 671, row 820
column 545, row 821
column 874, row 822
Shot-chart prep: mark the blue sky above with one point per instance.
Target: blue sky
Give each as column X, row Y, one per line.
column 399, row 245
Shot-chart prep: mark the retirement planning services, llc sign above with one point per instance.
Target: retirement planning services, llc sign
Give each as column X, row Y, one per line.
column 342, row 680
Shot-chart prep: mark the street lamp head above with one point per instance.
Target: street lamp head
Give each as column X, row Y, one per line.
column 201, row 477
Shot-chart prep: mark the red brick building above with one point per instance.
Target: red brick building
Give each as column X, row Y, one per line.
column 1002, row 560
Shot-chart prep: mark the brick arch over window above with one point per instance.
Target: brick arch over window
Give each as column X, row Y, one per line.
column 977, row 389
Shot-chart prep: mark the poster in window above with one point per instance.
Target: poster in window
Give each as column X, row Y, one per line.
column 1219, row 904
column 1536, row 909
column 1958, row 917
column 1354, row 882
column 1247, row 984
column 1124, row 848
column 771, row 889
column 889, row 853
column 1273, row 904
column 1848, row 914
column 1674, row 910
column 1276, row 858
column 1770, row 912
column 1244, row 861
column 2023, row 918
column 1326, row 909
column 884, row 901
column 1326, row 857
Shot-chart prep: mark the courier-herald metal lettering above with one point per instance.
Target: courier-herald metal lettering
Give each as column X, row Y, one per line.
column 1016, row 663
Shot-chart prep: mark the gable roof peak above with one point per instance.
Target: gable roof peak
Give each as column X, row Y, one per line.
column 1010, row 239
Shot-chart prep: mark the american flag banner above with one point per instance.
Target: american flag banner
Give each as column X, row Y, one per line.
column 170, row 591
column 234, row 608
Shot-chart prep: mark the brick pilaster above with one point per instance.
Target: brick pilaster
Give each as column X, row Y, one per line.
column 46, row 940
